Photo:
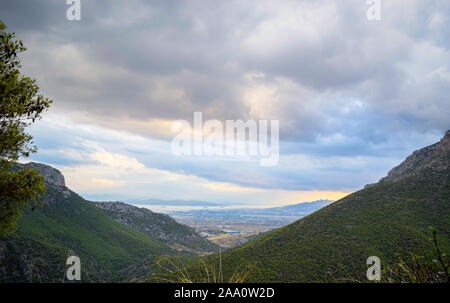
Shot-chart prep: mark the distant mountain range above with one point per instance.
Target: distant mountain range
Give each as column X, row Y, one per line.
column 301, row 208
column 384, row 219
column 174, row 202
column 114, row 241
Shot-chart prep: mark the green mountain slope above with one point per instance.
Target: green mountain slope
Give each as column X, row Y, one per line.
column 381, row 220
column 67, row 224
column 178, row 236
column 107, row 249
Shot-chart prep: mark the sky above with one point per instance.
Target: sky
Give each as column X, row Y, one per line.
column 353, row 97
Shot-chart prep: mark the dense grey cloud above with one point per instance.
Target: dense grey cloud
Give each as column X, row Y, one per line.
column 344, row 88
column 166, row 59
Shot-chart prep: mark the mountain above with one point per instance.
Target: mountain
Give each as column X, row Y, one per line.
column 434, row 157
column 177, row 236
column 300, row 208
column 175, row 203
column 381, row 220
column 68, row 224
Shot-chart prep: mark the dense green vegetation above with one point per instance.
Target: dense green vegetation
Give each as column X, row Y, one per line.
column 109, row 250
column 334, row 242
column 433, row 267
column 160, row 226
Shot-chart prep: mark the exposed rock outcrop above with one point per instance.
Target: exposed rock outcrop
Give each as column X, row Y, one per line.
column 435, row 157
column 52, row 176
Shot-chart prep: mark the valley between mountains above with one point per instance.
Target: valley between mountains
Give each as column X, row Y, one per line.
column 118, row 242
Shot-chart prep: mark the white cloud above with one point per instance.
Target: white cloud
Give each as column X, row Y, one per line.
column 116, row 161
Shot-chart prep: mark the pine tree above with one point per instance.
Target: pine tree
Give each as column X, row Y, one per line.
column 21, row 104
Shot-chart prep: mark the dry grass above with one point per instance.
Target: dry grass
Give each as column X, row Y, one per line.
column 176, row 272
column 432, row 268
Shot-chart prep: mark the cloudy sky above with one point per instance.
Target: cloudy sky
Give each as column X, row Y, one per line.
column 354, row 97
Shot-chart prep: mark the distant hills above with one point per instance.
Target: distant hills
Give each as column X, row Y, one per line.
column 175, row 202
column 301, row 208
column 304, row 206
column 381, row 220
column 115, row 242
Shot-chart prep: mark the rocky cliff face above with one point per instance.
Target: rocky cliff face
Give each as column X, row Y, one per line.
column 52, row 176
column 435, row 157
